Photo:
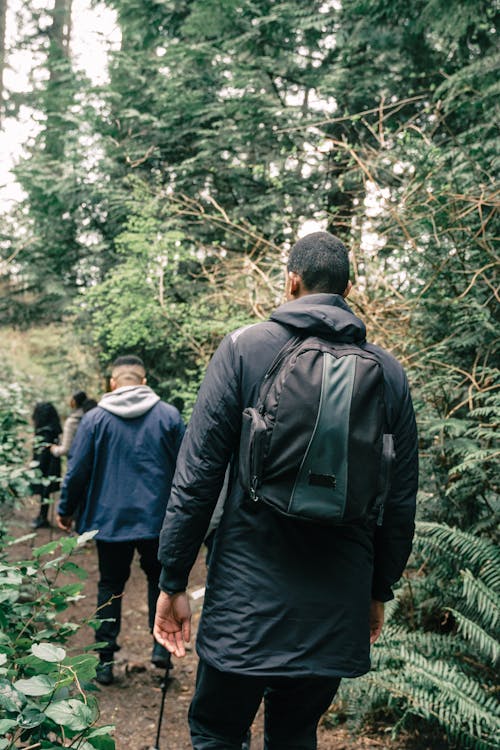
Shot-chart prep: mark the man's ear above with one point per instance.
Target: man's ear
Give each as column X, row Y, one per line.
column 293, row 285
column 112, row 384
column 347, row 290
column 144, row 381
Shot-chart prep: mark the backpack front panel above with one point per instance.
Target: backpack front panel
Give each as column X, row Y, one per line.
column 320, row 489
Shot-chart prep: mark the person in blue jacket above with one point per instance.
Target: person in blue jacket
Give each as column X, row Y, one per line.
column 290, row 607
column 119, row 474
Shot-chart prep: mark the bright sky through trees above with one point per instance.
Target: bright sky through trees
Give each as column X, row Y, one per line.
column 94, row 31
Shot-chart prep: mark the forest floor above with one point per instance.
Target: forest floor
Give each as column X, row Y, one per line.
column 132, row 702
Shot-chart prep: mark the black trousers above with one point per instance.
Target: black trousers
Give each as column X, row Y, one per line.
column 115, row 559
column 224, row 707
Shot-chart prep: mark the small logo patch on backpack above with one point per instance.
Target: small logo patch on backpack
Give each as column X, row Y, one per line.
column 322, row 480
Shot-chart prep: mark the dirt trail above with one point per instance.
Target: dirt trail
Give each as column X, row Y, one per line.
column 132, row 703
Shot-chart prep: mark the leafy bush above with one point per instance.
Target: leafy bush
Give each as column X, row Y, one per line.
column 437, row 655
column 43, row 682
column 15, row 478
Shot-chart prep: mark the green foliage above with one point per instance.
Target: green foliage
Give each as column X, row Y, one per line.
column 43, row 698
column 15, row 478
column 159, row 302
column 224, row 126
column 442, row 668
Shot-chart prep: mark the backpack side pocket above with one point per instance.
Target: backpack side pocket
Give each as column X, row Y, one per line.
column 252, row 444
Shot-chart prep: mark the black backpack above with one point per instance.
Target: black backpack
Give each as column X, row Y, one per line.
column 315, row 447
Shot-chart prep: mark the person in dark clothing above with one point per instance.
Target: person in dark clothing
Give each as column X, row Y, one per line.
column 290, row 606
column 47, row 431
column 119, row 474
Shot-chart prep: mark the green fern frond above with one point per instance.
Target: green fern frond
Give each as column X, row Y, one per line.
column 436, row 645
column 486, row 644
column 482, row 599
column 469, row 551
column 434, row 689
column 392, row 606
column 461, row 703
column 475, row 457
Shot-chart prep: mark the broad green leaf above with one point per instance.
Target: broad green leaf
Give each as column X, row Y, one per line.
column 71, row 713
column 6, row 725
column 70, row 567
column 11, row 577
column 84, row 665
column 45, row 549
column 9, row 595
column 31, row 717
column 10, row 699
column 68, row 544
column 48, row 652
column 37, row 685
column 103, row 742
column 99, row 731
column 34, row 665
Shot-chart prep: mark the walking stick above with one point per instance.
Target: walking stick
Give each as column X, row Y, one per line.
column 163, row 686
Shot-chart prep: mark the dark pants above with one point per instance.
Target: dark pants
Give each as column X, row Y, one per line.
column 44, row 493
column 115, row 559
column 224, row 707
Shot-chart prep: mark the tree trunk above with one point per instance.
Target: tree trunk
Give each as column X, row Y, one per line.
column 58, row 65
column 3, row 17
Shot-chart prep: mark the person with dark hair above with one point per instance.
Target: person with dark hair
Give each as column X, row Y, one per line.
column 47, row 431
column 70, row 425
column 88, row 404
column 291, row 605
column 119, row 474
column 321, row 261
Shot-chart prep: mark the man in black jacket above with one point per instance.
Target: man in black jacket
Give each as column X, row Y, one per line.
column 290, row 607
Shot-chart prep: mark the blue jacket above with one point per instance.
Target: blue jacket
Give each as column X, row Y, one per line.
column 121, row 465
column 284, row 597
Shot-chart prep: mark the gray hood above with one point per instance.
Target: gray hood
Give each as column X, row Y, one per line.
column 325, row 315
column 129, row 401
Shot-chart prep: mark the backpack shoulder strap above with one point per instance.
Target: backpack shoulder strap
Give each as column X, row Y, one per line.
column 283, row 353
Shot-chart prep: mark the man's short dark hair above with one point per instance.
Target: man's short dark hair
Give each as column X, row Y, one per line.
column 127, row 360
column 322, row 262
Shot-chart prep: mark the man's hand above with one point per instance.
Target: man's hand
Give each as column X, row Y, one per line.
column 64, row 522
column 172, row 626
column 376, row 619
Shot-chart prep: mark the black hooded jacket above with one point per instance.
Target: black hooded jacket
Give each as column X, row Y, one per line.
column 283, row 597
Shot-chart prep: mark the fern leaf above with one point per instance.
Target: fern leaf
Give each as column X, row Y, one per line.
column 469, row 551
column 481, row 598
column 487, row 645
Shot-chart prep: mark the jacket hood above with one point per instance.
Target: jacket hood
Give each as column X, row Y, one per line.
column 325, row 315
column 129, row 401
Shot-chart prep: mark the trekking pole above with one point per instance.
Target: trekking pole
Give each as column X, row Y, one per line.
column 163, row 686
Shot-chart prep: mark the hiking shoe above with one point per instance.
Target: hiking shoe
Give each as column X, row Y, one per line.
column 104, row 674
column 39, row 523
column 160, row 657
